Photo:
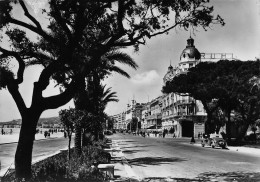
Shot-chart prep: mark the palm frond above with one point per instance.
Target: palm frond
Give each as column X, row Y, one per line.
column 119, row 71
column 122, row 58
column 108, row 96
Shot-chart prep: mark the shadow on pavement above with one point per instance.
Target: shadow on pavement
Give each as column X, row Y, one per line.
column 154, row 161
column 130, row 141
column 231, row 176
column 210, row 177
column 205, row 177
column 141, row 146
column 132, row 151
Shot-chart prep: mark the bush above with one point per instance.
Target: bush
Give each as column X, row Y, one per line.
column 58, row 168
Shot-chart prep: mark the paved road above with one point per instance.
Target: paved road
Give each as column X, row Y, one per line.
column 41, row 149
column 177, row 158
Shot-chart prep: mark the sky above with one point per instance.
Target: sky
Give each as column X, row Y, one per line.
column 239, row 36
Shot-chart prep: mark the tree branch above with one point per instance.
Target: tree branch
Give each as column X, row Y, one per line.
column 63, row 98
column 21, row 63
column 61, row 21
column 44, row 78
column 34, row 29
column 26, row 13
column 13, row 90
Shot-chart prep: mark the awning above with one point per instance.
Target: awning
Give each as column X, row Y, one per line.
column 152, row 127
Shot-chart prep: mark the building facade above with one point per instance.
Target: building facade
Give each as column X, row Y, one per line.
column 119, row 120
column 181, row 113
column 154, row 114
column 178, row 113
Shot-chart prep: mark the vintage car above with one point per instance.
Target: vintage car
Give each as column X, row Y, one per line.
column 218, row 141
column 214, row 140
column 205, row 141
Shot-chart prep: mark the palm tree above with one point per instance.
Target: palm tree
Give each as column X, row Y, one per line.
column 102, row 96
column 92, row 97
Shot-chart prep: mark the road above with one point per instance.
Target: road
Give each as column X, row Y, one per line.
column 178, row 159
column 41, row 149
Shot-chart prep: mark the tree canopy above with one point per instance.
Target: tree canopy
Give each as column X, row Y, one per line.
column 224, row 84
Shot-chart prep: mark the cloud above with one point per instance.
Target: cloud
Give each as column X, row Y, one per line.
column 146, row 78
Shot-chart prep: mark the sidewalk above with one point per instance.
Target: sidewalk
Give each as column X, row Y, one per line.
column 122, row 170
column 13, row 138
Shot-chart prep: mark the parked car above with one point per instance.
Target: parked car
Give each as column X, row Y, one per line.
column 213, row 140
column 218, row 141
column 205, row 141
column 108, row 132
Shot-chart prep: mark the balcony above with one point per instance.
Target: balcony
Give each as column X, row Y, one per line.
column 184, row 101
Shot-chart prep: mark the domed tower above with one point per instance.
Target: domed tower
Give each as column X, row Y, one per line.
column 169, row 75
column 190, row 56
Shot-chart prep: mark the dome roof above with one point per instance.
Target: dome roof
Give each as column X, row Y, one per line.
column 190, row 51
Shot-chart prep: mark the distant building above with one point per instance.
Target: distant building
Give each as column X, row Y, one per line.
column 119, row 121
column 154, row 117
column 146, row 111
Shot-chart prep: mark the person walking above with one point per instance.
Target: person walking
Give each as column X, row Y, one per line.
column 174, row 136
column 192, row 141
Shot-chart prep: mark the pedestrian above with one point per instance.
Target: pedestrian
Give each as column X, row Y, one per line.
column 199, row 135
column 192, row 140
column 11, row 131
column 174, row 136
column 45, row 134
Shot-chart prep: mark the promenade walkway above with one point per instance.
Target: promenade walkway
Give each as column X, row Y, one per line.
column 13, row 138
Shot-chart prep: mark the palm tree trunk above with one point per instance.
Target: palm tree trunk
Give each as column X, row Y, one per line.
column 228, row 127
column 69, row 136
column 78, row 138
column 242, row 132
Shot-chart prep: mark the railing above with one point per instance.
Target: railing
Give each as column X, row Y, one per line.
column 184, row 101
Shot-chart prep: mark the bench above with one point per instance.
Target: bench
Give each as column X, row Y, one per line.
column 108, row 169
column 112, row 150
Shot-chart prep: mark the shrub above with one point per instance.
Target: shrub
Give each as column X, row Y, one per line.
column 58, row 169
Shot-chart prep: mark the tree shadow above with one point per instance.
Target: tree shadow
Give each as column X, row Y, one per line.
column 140, row 146
column 210, row 177
column 131, row 151
column 144, row 161
column 130, row 141
column 237, row 176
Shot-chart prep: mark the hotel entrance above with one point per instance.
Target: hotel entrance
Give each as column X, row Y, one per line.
column 187, row 128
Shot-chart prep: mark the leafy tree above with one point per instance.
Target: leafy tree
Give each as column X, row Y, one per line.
column 135, row 125
column 110, row 123
column 248, row 96
column 93, row 97
column 67, row 120
column 199, row 84
column 226, row 86
column 80, row 31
